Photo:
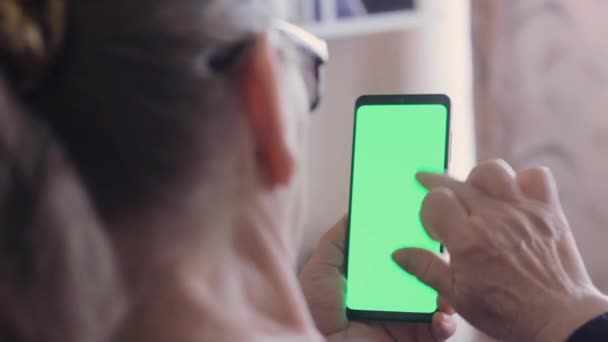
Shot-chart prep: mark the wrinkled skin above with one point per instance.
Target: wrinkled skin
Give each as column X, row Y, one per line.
column 324, row 286
column 515, row 271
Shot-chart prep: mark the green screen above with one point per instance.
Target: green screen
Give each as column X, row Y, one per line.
column 391, row 144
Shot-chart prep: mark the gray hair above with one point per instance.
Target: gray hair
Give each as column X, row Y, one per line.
column 227, row 21
column 128, row 106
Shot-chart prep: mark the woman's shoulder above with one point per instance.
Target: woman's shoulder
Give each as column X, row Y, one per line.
column 56, row 262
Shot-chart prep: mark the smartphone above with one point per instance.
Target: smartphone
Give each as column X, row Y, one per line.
column 395, row 136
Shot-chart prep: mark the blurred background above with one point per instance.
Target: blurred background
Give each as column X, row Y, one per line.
column 528, row 81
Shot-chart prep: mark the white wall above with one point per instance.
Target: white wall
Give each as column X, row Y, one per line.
column 433, row 58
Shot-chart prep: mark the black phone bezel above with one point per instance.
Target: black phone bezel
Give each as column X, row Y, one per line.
column 409, row 99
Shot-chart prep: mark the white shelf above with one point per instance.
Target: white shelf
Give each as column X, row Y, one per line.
column 371, row 24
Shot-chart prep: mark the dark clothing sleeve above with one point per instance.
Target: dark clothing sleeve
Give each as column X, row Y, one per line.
column 592, row 331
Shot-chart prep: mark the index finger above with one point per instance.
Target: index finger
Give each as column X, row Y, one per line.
column 442, row 215
column 467, row 196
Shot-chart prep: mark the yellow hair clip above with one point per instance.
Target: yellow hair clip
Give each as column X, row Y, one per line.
column 31, row 35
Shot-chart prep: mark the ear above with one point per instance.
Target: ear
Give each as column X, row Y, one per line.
column 258, row 83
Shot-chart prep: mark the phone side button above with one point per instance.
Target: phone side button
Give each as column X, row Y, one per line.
column 450, row 149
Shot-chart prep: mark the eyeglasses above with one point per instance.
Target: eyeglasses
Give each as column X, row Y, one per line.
column 313, row 50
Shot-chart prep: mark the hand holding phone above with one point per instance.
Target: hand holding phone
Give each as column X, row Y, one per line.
column 323, row 283
column 395, row 136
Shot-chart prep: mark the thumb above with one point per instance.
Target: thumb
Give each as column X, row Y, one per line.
column 428, row 267
column 330, row 249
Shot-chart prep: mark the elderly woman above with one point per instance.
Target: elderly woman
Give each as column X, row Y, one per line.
column 151, row 190
column 150, row 177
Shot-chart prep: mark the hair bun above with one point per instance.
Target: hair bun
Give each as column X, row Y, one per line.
column 31, row 35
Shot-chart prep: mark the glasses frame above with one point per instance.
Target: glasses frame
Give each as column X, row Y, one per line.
column 313, row 47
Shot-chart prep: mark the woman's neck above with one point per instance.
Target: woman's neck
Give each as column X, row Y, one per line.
column 233, row 279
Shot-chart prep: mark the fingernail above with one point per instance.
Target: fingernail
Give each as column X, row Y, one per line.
column 398, row 257
column 545, row 169
column 422, row 176
column 447, row 329
column 440, row 329
column 423, row 172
